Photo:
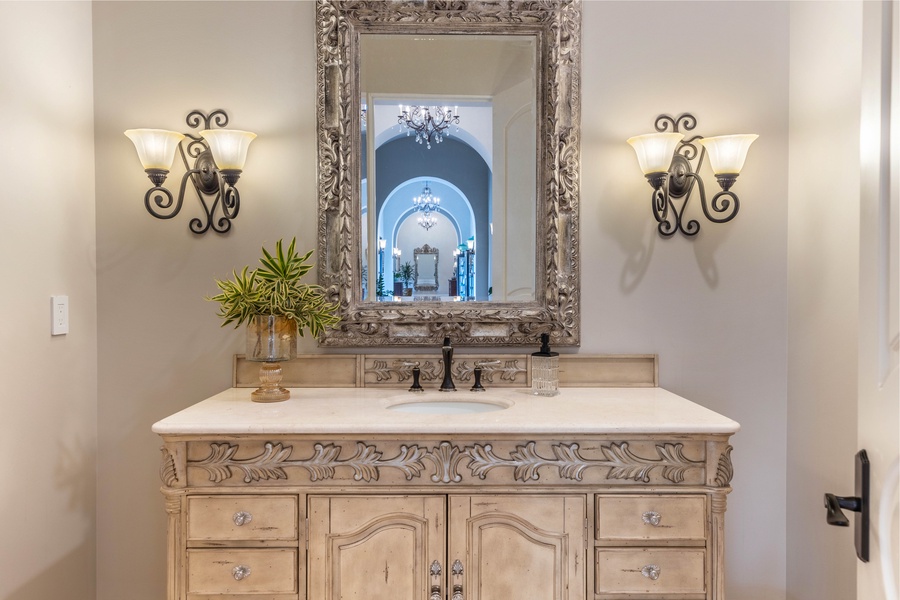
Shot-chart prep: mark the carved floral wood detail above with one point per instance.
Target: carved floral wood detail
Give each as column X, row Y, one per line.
column 446, row 459
column 509, row 371
column 622, row 462
column 725, row 470
column 167, row 471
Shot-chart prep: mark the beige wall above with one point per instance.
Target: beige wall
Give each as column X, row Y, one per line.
column 826, row 63
column 48, row 433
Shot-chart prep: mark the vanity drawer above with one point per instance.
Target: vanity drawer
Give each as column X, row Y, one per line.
column 253, row 571
column 650, row 518
column 650, row 571
column 241, row 518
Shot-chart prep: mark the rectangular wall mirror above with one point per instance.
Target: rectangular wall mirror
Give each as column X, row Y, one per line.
column 453, row 126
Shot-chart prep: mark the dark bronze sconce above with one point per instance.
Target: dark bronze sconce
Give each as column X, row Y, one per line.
column 218, row 159
column 665, row 158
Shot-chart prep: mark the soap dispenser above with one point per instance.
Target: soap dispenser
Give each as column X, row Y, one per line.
column 545, row 369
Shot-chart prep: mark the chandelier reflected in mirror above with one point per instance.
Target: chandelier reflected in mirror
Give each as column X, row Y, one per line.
column 428, row 122
column 426, row 203
column 427, row 221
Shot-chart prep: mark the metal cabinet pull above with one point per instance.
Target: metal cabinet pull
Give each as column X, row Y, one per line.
column 457, row 571
column 240, row 572
column 651, row 517
column 241, row 517
column 650, row 572
column 436, row 581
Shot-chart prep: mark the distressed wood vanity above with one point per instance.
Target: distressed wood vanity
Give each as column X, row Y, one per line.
column 600, row 492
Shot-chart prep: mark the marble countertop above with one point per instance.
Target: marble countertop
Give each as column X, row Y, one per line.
column 375, row 411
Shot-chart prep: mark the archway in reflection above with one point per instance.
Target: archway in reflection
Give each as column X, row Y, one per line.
column 398, row 225
column 459, row 175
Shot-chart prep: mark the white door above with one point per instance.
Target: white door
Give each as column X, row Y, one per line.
column 879, row 344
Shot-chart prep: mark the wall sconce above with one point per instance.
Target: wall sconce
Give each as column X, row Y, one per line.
column 665, row 158
column 218, row 155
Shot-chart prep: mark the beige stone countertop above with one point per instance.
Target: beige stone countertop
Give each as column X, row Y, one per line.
column 376, row 411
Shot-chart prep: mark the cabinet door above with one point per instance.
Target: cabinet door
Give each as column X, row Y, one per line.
column 374, row 547
column 513, row 546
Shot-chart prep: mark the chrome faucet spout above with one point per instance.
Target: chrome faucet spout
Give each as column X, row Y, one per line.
column 447, row 355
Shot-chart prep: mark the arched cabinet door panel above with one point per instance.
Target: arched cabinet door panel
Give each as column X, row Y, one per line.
column 374, row 546
column 517, row 547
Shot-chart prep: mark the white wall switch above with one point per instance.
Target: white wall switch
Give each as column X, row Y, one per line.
column 59, row 324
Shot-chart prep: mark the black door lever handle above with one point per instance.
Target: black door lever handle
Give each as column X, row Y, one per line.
column 834, row 504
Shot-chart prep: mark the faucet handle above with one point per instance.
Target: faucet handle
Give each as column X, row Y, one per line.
column 416, row 372
column 479, row 365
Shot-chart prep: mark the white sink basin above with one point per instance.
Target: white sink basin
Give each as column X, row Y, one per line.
column 446, row 407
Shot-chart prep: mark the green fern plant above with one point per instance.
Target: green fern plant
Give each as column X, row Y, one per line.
column 275, row 289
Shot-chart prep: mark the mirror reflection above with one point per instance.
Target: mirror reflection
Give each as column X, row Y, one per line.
column 448, row 170
column 500, row 82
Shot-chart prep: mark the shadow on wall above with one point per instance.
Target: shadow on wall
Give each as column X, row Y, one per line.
column 62, row 578
column 631, row 224
column 74, row 575
column 75, row 474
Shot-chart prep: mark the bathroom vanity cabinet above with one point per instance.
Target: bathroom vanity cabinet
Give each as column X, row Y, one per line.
column 598, row 493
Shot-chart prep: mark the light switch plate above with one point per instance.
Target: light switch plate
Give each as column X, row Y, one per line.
column 59, row 316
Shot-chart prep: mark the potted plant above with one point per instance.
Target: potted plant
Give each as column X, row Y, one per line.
column 276, row 307
column 406, row 274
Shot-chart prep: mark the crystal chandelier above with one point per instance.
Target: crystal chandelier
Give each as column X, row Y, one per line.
column 426, row 203
column 428, row 122
column 427, row 221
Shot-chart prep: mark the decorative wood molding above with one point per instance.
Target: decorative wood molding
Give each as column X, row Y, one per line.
column 719, row 504
column 390, row 370
column 167, row 471
column 725, row 470
column 620, row 462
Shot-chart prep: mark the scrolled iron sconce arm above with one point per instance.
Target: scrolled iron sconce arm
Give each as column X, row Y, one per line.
column 215, row 186
column 665, row 158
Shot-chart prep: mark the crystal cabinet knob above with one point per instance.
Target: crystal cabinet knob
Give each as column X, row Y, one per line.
column 242, row 517
column 652, row 518
column 650, row 572
column 240, row 572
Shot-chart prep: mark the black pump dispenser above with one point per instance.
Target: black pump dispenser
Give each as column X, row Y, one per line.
column 545, row 347
column 545, row 369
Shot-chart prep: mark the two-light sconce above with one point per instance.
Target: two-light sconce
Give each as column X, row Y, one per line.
column 219, row 156
column 665, row 158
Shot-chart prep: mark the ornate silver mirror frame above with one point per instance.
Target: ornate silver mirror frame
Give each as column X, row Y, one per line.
column 427, row 274
column 557, row 28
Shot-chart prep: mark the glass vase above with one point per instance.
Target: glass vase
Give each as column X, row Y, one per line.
column 271, row 339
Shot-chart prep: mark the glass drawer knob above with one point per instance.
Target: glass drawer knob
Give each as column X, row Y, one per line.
column 651, row 518
column 240, row 572
column 650, row 572
column 242, row 517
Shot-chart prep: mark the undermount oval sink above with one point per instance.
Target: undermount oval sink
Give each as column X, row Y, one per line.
column 446, row 407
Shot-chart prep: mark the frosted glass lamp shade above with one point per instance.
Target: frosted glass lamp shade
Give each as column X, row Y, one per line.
column 727, row 153
column 155, row 147
column 228, row 147
column 655, row 150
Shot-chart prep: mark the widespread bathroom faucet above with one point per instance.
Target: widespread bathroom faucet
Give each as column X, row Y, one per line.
column 447, row 355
